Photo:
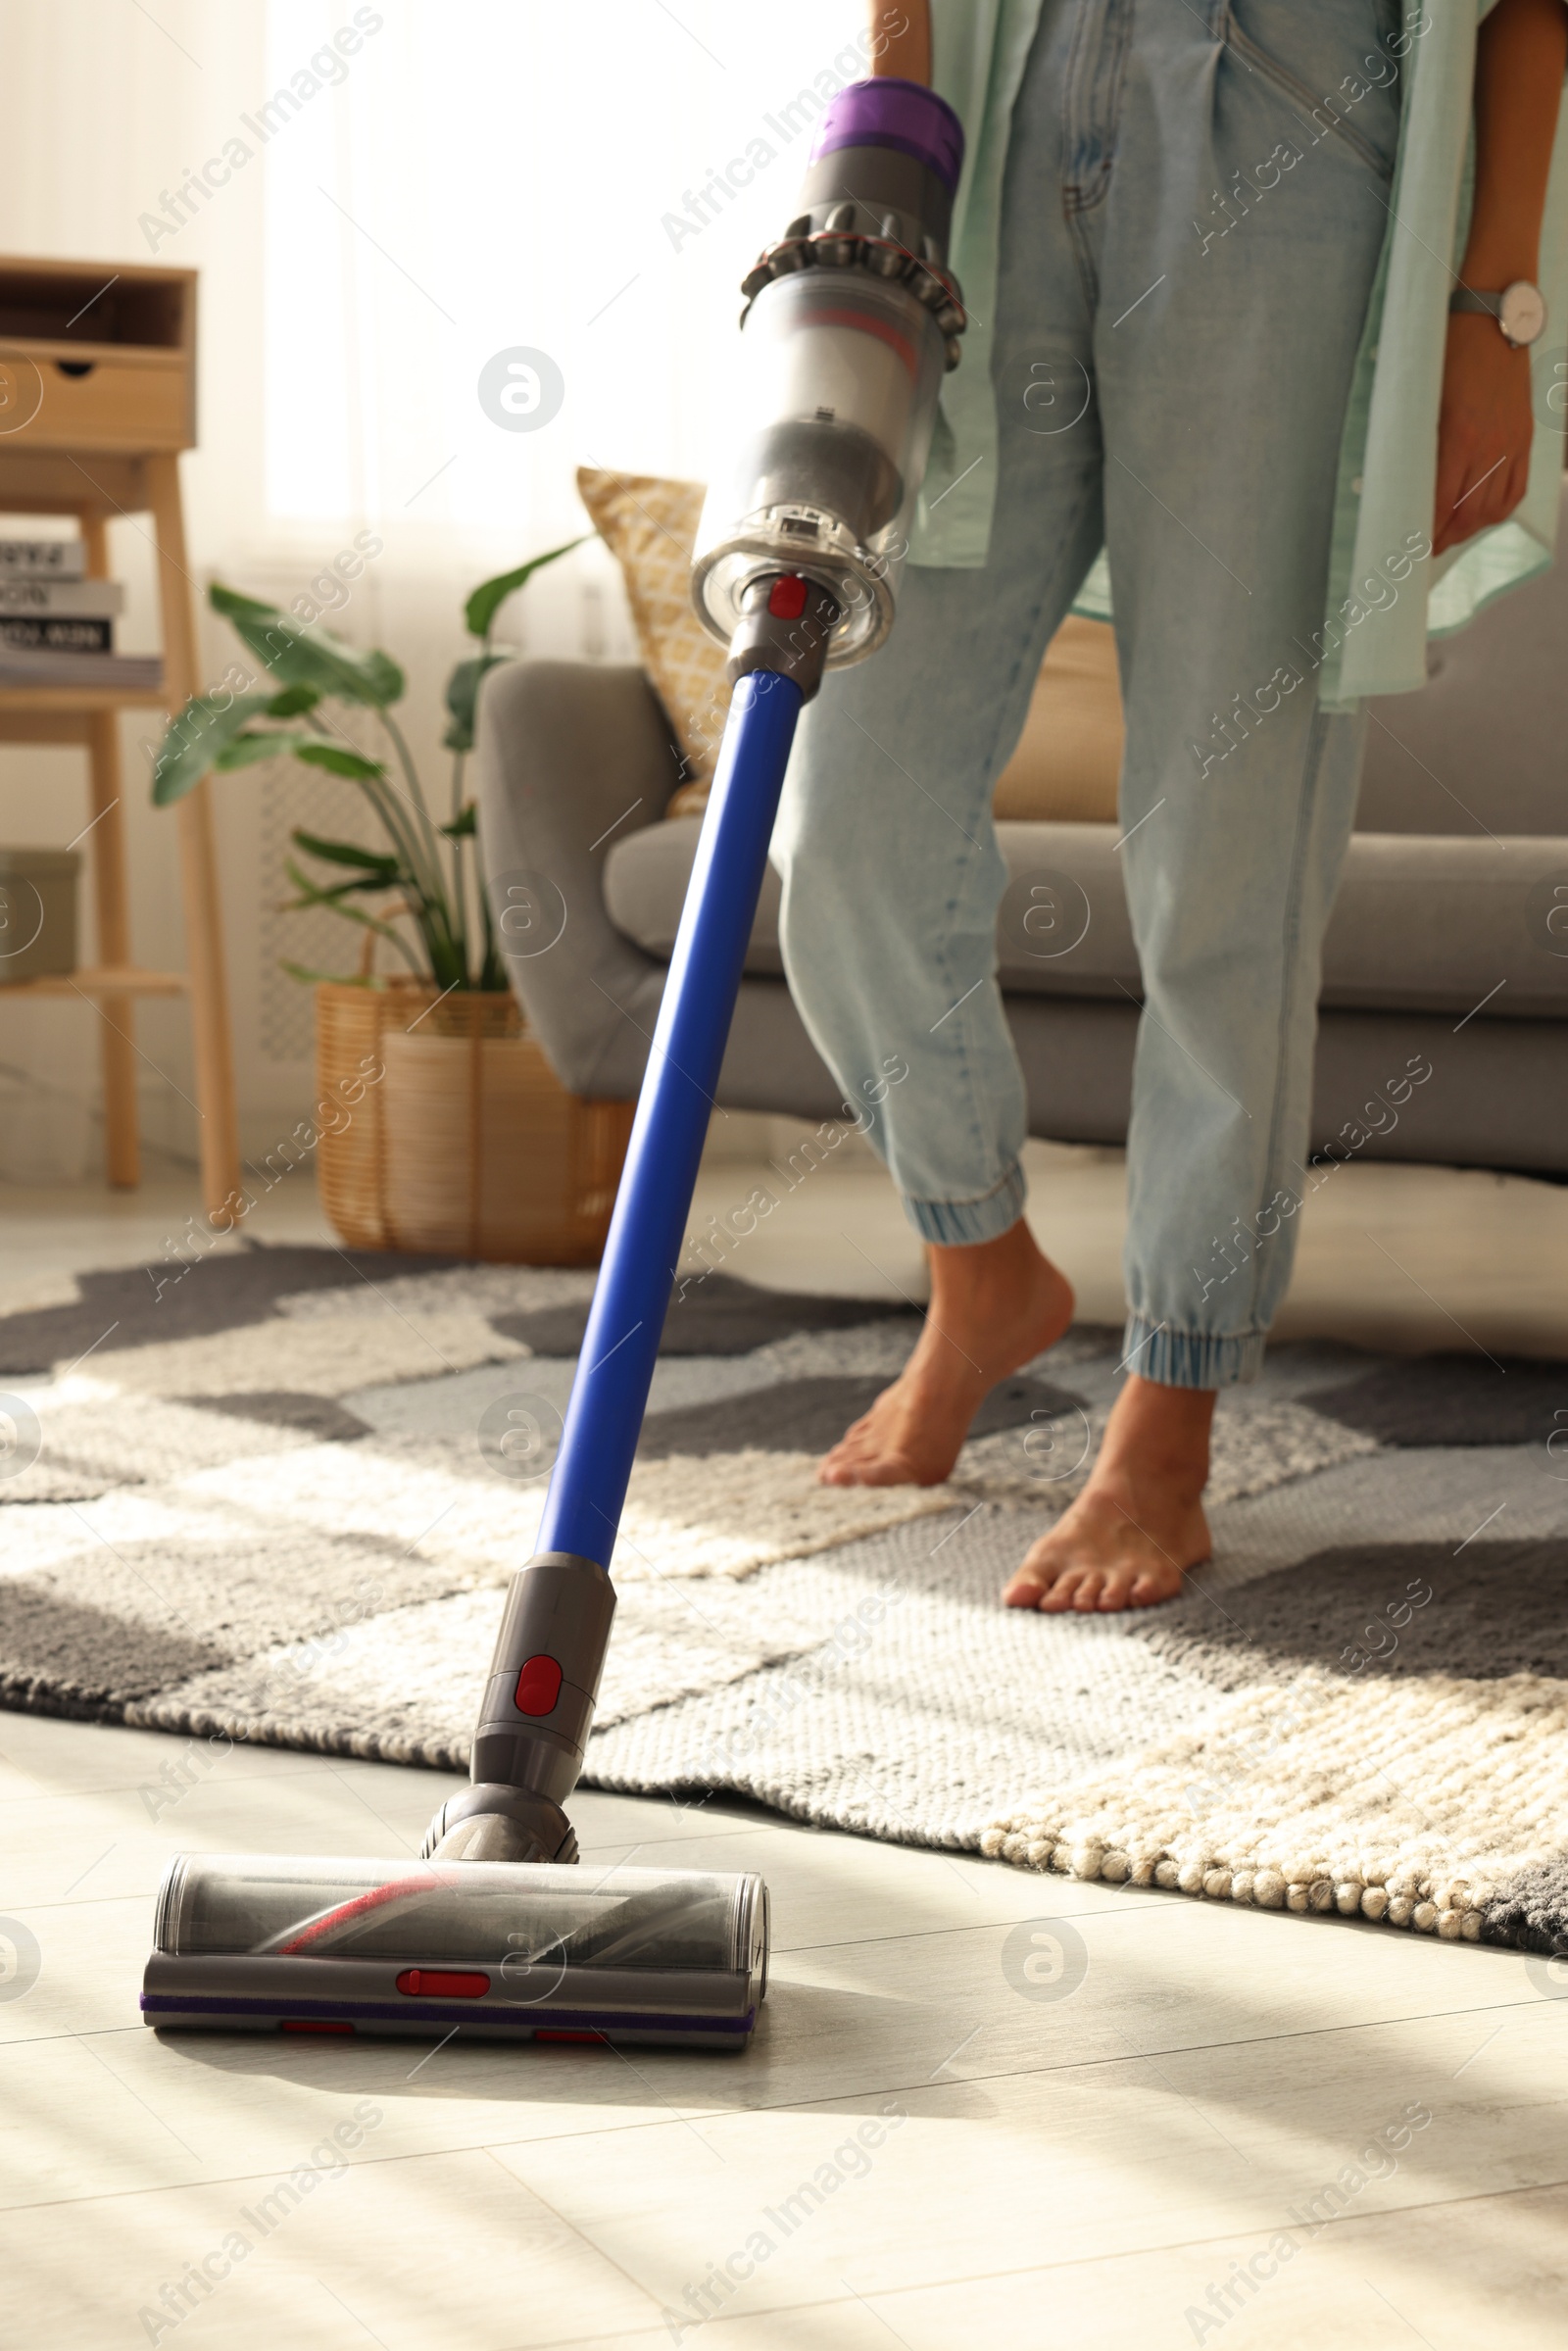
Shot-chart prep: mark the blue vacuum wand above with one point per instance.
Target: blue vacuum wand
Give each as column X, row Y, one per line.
column 539, row 1699
column 851, row 319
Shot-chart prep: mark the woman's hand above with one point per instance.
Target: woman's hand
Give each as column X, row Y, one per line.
column 1484, row 430
column 900, row 39
column 1484, row 423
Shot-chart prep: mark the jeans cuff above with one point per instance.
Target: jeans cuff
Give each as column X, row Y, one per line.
column 957, row 1222
column 1191, row 1358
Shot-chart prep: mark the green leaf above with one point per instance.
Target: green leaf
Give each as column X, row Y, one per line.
column 387, row 679
column 292, row 701
column 243, row 751
column 338, row 761
column 311, row 895
column 462, row 693
column 297, row 655
column 349, row 852
column 464, row 826
column 365, row 885
column 193, row 741
column 487, row 599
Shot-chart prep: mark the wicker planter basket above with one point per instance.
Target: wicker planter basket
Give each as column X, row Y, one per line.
column 466, row 1142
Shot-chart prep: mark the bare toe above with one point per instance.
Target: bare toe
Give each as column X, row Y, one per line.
column 1103, row 1557
column 1035, row 1576
column 870, row 1468
column 1153, row 1586
column 1062, row 1592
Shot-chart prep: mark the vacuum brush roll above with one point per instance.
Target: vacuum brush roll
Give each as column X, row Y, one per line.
column 264, row 1943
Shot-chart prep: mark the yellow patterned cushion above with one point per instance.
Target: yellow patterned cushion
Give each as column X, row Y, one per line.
column 650, row 526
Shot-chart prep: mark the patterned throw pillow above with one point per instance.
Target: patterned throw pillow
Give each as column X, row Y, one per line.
column 649, row 526
column 1069, row 756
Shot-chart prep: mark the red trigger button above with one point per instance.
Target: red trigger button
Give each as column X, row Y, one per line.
column 787, row 602
column 538, row 1686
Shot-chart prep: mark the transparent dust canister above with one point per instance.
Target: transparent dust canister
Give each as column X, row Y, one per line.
column 839, row 374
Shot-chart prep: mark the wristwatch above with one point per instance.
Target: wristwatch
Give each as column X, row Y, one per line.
column 1519, row 310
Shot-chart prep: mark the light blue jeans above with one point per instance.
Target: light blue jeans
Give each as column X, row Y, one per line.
column 1198, row 380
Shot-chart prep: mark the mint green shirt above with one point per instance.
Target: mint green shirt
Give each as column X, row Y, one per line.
column 1389, row 454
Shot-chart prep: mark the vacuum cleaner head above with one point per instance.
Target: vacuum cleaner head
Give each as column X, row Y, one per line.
column 498, row 1930
column 265, row 1942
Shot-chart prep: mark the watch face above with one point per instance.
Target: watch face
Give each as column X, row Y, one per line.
column 1522, row 314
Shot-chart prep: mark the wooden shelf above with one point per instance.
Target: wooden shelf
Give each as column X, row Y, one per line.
column 102, row 357
column 105, row 979
column 82, row 698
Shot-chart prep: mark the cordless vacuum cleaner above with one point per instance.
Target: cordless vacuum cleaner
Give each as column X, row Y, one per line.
column 851, row 320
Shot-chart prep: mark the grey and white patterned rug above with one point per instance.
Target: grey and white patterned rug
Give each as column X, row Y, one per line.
column 278, row 1495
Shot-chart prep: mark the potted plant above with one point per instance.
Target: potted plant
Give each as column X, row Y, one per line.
column 465, row 1141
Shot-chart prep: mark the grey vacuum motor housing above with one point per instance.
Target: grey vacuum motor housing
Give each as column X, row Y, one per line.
column 851, row 319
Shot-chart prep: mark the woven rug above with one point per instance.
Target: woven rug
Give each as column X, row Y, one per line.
column 276, row 1495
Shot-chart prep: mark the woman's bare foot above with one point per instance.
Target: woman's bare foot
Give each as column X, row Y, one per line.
column 1138, row 1523
column 995, row 1305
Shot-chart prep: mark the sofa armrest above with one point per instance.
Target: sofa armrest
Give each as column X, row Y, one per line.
column 572, row 755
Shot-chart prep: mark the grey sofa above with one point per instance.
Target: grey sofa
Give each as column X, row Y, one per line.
column 1443, row 941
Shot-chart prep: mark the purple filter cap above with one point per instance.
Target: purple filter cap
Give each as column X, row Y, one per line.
column 886, row 111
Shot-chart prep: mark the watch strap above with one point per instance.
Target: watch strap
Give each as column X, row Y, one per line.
column 1465, row 298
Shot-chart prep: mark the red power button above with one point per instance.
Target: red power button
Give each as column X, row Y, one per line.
column 538, row 1686
column 787, row 601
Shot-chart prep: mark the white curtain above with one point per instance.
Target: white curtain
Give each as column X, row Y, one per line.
column 492, row 176
column 382, row 199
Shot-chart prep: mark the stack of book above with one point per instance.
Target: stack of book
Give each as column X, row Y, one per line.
column 57, row 626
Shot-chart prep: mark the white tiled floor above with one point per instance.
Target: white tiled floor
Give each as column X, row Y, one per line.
column 913, row 2151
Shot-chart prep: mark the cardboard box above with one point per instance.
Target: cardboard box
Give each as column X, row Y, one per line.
column 38, row 913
